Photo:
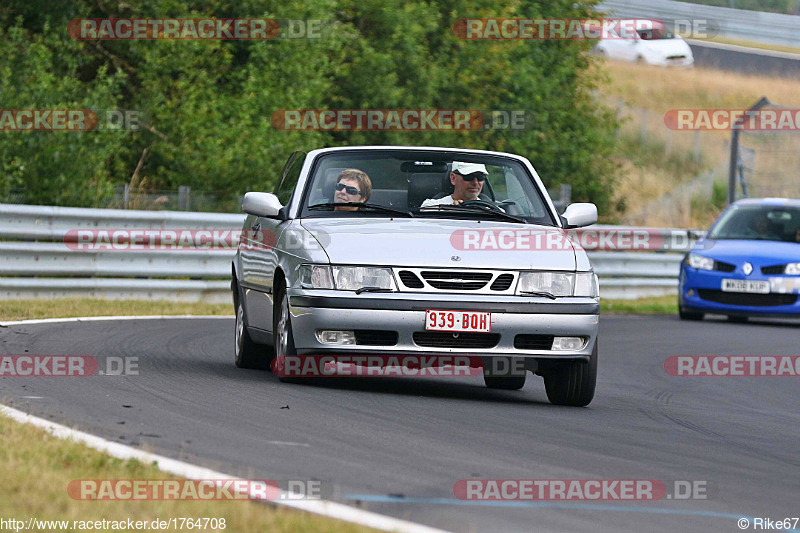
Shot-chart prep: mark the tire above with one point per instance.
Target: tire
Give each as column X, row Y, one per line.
column 685, row 315
column 247, row 354
column 282, row 337
column 572, row 383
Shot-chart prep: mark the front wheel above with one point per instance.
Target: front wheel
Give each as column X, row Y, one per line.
column 573, row 382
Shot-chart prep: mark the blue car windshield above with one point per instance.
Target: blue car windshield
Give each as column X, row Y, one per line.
column 758, row 222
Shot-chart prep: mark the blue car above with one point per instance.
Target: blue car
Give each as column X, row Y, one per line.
column 747, row 265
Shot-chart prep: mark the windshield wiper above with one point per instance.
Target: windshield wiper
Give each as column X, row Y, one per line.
column 373, row 289
column 539, row 293
column 359, row 205
column 472, row 209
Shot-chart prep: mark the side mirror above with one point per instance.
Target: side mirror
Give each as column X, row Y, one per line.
column 261, row 204
column 579, row 215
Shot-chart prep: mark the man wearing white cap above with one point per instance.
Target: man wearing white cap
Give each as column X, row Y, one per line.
column 467, row 180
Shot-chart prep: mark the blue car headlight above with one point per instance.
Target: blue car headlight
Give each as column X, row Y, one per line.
column 699, row 262
column 792, row 269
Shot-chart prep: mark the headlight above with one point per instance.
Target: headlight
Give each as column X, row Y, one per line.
column 345, row 278
column 351, row 278
column 586, row 285
column 793, row 269
column 559, row 283
column 316, row 277
column 700, row 262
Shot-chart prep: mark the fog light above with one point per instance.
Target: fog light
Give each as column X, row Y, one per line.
column 330, row 336
column 567, row 343
column 690, row 292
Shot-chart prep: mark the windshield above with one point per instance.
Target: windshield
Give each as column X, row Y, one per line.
column 758, row 222
column 423, row 184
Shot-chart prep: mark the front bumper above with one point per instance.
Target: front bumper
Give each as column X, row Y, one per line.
column 404, row 313
column 693, row 283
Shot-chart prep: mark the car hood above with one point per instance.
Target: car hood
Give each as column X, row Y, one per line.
column 760, row 253
column 433, row 243
column 669, row 47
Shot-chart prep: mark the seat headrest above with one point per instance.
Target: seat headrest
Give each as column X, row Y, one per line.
column 329, row 183
column 421, row 187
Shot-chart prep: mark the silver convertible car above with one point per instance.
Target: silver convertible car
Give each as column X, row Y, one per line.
column 404, row 251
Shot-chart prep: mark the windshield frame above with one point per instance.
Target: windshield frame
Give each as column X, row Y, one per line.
column 420, row 154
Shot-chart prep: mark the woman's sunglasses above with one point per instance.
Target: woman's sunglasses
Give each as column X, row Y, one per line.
column 349, row 189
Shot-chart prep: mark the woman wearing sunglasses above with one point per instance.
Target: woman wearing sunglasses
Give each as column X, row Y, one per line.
column 467, row 180
column 352, row 185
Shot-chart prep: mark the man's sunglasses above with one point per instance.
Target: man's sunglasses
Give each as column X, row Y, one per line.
column 348, row 188
column 480, row 176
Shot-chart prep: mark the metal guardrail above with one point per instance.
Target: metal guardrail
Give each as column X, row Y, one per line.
column 39, row 264
column 757, row 26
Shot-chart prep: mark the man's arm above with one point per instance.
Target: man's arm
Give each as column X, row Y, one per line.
column 430, row 202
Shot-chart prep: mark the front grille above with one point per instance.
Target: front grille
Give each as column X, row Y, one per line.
column 533, row 342
column 724, row 267
column 376, row 337
column 446, row 339
column 410, row 279
column 743, row 298
column 503, row 282
column 775, row 269
column 456, row 281
column 674, row 58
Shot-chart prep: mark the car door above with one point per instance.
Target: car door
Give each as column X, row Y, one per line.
column 260, row 257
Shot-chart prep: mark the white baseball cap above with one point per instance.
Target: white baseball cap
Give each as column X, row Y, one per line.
column 465, row 169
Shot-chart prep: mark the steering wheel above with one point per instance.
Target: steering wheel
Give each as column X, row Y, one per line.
column 486, row 205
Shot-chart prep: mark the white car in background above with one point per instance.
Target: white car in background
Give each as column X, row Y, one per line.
column 657, row 46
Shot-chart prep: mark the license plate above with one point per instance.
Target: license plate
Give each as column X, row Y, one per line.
column 745, row 285
column 442, row 320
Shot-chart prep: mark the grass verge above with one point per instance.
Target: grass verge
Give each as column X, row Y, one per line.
column 748, row 44
column 656, row 305
column 66, row 308
column 38, row 467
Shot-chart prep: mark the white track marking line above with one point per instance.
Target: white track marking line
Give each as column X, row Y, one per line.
column 102, row 318
column 322, row 507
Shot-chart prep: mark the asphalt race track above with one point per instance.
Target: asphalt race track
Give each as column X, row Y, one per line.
column 397, row 445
